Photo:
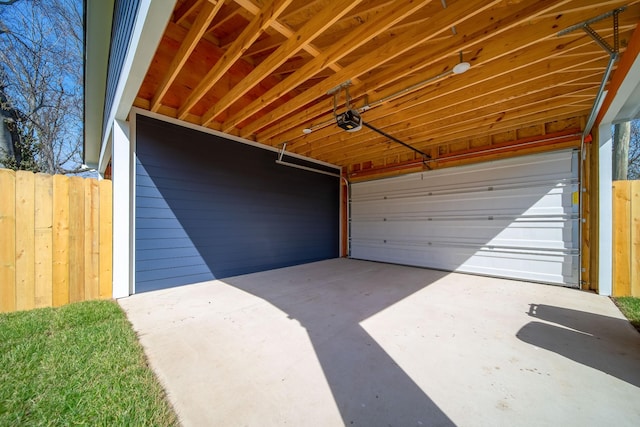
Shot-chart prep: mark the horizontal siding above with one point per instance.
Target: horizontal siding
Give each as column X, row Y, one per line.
column 208, row 207
column 124, row 17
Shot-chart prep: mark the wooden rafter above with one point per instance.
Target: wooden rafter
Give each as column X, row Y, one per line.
column 428, row 125
column 270, row 13
column 245, row 68
column 206, row 15
column 507, row 120
column 510, row 40
column 284, row 30
column 550, row 98
column 289, row 48
column 392, row 14
column 451, row 101
column 441, row 22
column 187, row 8
column 483, row 85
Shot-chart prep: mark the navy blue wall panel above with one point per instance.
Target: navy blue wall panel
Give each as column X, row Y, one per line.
column 208, row 207
column 124, row 18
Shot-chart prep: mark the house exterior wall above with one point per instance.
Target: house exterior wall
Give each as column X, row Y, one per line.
column 124, row 17
column 207, row 207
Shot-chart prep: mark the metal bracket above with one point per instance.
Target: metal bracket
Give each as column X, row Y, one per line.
column 280, row 161
column 611, row 50
column 336, row 93
column 284, row 148
column 586, row 27
column 339, row 87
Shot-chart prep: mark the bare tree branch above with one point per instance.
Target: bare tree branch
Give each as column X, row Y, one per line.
column 41, row 52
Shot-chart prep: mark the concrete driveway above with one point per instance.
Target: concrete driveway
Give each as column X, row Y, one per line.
column 355, row 343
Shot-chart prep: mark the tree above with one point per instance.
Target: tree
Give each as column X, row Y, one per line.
column 633, row 169
column 8, row 131
column 626, row 150
column 621, row 140
column 41, row 60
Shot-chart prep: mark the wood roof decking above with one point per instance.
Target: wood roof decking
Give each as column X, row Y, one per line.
column 261, row 69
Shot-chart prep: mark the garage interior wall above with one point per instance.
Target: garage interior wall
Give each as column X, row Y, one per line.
column 515, row 218
column 207, row 207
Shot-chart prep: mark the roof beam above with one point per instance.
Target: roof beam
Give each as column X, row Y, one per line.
column 493, row 49
column 424, row 129
column 414, row 36
column 485, row 87
column 390, row 15
column 427, row 121
column 227, row 14
column 260, row 22
column 509, row 120
column 284, row 30
column 524, row 82
column 290, row 47
column 180, row 14
column 197, row 30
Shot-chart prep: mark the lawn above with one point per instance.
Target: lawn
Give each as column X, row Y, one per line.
column 630, row 307
column 80, row 364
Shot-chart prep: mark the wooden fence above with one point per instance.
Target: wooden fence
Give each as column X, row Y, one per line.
column 55, row 240
column 626, row 238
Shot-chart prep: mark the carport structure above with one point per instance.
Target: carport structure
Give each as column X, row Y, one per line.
column 485, row 148
column 217, row 122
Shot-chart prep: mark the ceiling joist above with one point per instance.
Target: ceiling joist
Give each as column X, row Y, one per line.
column 261, row 69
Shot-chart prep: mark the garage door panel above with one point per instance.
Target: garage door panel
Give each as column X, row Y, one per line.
column 541, row 266
column 482, row 220
column 543, row 200
column 506, row 172
column 499, row 233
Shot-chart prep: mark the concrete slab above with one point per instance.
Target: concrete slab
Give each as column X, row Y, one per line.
column 346, row 342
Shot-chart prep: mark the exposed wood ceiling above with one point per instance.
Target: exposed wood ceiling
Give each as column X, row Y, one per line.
column 261, row 69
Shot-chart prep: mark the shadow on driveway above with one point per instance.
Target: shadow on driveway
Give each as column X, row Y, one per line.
column 368, row 386
column 600, row 342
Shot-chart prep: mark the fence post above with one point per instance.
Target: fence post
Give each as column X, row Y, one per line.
column 621, row 245
column 106, row 255
column 635, row 238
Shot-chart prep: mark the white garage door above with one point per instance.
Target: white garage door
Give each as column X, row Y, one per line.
column 515, row 218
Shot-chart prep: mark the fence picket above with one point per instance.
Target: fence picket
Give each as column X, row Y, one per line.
column 626, row 238
column 76, row 239
column 55, row 240
column 25, row 240
column 91, row 239
column 106, row 239
column 43, row 240
column 60, row 245
column 8, row 240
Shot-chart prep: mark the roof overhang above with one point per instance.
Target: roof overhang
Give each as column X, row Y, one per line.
column 622, row 102
column 150, row 22
column 97, row 35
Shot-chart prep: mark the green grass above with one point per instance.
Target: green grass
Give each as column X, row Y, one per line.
column 630, row 307
column 80, row 364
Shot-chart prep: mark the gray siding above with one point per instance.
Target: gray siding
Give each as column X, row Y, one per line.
column 208, row 207
column 124, row 18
